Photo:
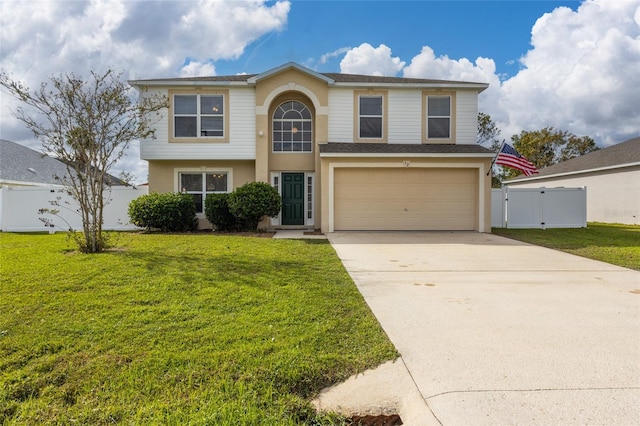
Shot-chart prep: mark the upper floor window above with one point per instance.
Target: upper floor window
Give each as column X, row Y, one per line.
column 198, row 116
column 199, row 184
column 438, row 117
column 370, row 117
column 292, row 128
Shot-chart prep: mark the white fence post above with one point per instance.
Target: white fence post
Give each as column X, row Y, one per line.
column 498, row 207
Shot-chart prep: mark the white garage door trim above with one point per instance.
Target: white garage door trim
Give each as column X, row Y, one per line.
column 479, row 166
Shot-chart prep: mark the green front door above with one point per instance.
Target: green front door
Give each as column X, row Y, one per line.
column 293, row 198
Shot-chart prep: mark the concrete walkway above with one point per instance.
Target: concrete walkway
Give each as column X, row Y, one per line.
column 494, row 331
column 298, row 234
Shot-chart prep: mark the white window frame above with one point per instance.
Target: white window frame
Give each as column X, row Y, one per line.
column 199, row 115
column 276, row 182
column 204, row 171
column 309, row 198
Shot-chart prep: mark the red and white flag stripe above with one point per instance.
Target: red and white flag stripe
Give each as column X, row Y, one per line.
column 509, row 157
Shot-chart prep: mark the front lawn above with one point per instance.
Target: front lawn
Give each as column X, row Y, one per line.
column 616, row 244
column 177, row 329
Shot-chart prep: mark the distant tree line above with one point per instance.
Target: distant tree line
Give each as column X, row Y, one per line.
column 543, row 147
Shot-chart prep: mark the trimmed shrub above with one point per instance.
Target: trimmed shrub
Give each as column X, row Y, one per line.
column 168, row 212
column 216, row 210
column 252, row 201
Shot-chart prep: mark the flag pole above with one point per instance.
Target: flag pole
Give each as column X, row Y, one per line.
column 496, row 157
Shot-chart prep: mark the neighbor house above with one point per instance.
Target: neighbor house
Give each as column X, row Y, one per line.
column 21, row 166
column 346, row 152
column 611, row 176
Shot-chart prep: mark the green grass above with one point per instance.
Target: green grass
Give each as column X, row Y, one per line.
column 177, row 329
column 611, row 243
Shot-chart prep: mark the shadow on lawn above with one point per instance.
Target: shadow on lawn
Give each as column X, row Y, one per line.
column 243, row 269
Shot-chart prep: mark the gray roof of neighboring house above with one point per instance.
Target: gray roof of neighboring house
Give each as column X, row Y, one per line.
column 623, row 153
column 19, row 163
column 392, row 148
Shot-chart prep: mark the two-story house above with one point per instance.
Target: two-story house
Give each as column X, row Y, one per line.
column 346, row 152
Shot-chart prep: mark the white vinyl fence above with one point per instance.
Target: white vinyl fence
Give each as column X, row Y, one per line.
column 539, row 208
column 19, row 208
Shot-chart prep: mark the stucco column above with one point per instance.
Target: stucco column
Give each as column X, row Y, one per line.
column 262, row 148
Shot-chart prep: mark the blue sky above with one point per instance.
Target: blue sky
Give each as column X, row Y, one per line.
column 459, row 29
column 572, row 65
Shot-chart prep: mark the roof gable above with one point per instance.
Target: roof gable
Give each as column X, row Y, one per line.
column 289, row 66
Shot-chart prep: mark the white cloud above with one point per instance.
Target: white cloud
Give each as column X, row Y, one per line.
column 146, row 39
column 324, row 58
column 217, row 29
column 198, row 69
column 483, row 70
column 369, row 60
column 581, row 73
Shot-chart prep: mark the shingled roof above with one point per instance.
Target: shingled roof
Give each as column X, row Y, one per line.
column 22, row 165
column 392, row 148
column 622, row 154
column 338, row 78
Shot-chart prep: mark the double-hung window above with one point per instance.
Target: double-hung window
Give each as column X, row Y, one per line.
column 370, row 110
column 199, row 184
column 198, row 116
column 438, row 117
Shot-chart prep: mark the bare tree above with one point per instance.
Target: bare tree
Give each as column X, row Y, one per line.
column 88, row 125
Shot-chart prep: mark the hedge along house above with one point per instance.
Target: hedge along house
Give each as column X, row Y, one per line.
column 346, row 152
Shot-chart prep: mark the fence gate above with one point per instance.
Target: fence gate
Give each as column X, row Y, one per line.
column 539, row 208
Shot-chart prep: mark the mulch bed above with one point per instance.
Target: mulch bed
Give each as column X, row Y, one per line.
column 382, row 420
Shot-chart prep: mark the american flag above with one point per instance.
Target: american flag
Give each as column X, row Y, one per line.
column 509, row 157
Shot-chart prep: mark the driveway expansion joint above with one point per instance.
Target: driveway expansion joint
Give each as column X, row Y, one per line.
column 622, row 388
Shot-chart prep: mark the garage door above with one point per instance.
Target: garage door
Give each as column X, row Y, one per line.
column 405, row 199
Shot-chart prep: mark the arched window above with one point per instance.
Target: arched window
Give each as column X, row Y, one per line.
column 292, row 128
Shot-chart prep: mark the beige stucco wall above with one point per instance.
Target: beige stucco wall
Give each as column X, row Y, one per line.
column 271, row 92
column 480, row 164
column 612, row 196
column 163, row 176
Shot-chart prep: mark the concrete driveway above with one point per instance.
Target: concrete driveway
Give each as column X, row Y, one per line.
column 494, row 331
